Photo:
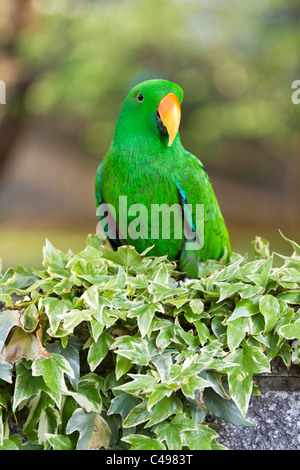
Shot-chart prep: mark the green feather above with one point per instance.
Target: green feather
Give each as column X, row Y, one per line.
column 141, row 166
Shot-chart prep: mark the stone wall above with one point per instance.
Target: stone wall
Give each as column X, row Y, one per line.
column 275, row 413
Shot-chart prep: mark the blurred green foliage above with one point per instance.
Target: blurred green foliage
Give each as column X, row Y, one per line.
column 68, row 65
column 235, row 61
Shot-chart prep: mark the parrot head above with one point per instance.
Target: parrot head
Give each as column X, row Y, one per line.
column 151, row 113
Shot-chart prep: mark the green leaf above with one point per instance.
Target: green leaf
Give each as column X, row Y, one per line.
column 55, row 260
column 240, row 388
column 5, row 397
column 290, row 331
column 203, row 332
column 124, row 256
column 36, row 406
column 70, row 320
column 250, row 291
column 123, row 404
column 227, row 272
column 295, row 245
column 270, row 308
column 139, row 414
column 94, row 432
column 188, row 337
column 245, row 308
column 91, row 297
column 9, row 444
column 193, row 383
column 251, row 361
column 261, row 276
column 48, row 423
column 144, row 314
column 172, row 431
column 30, row 318
column 236, row 331
column 179, row 302
column 52, row 370
column 197, row 306
column 260, row 247
column 167, row 334
column 163, row 409
column 54, row 309
column 96, row 328
column 8, row 319
column 163, row 362
column 88, row 394
column 5, row 371
column 146, row 383
column 224, row 408
column 227, row 289
column 138, row 282
column 71, row 354
column 98, row 303
column 162, row 275
column 254, row 360
column 140, row 442
column 160, row 391
column 123, row 365
column 6, row 299
column 199, row 439
column 290, row 297
column 1, row 429
column 162, row 292
column 99, row 350
column 90, row 254
column 19, row 279
column 25, row 386
column 59, row 441
column 134, row 349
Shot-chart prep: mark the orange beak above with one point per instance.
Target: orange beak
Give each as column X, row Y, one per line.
column 170, row 113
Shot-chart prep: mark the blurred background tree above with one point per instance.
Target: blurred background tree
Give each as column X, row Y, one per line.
column 68, row 65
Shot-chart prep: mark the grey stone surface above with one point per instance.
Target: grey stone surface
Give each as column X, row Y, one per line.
column 275, row 413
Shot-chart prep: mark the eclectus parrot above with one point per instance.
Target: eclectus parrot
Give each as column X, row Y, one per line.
column 148, row 179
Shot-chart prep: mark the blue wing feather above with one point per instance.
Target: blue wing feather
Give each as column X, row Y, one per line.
column 99, row 199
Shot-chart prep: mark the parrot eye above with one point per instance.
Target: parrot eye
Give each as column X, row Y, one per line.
column 140, row 97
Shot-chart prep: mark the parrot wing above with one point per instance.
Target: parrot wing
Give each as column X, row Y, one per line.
column 203, row 218
column 108, row 228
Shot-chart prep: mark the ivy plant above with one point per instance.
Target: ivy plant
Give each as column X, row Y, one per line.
column 118, row 350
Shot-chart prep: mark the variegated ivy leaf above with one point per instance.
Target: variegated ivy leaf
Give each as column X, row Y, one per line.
column 55, row 309
column 172, row 431
column 133, row 348
column 8, row 319
column 94, row 432
column 52, row 370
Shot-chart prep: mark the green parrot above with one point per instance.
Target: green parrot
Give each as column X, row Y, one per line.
column 151, row 192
